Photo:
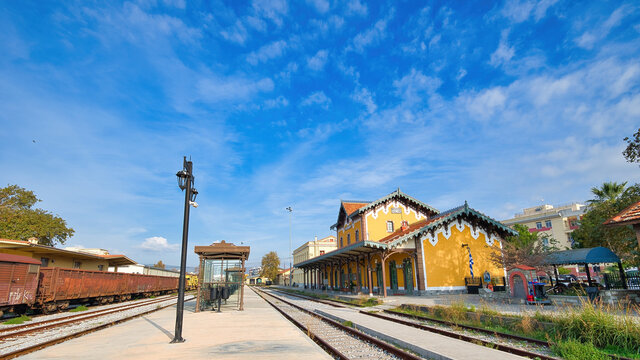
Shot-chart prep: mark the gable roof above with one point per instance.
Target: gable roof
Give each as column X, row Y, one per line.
column 630, row 215
column 398, row 195
column 418, row 228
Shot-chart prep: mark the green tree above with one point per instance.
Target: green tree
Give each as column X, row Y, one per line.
column 19, row 219
column 620, row 239
column 270, row 265
column 607, row 191
column 526, row 248
column 159, row 264
column 632, row 152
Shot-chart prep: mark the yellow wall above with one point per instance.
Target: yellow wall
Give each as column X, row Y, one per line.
column 447, row 263
column 350, row 230
column 377, row 227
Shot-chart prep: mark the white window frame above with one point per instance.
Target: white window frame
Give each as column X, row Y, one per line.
column 389, row 226
column 539, row 225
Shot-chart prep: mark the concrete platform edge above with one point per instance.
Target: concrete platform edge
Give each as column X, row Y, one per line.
column 402, row 344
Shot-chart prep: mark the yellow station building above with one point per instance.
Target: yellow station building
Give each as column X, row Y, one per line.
column 408, row 246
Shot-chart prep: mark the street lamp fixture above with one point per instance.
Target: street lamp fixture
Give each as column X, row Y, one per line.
column 185, row 182
column 290, row 210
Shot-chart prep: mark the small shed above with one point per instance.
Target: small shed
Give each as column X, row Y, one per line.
column 596, row 255
column 221, row 265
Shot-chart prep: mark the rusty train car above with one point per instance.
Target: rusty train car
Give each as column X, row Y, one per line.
column 25, row 285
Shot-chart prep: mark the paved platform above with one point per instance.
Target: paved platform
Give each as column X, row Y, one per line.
column 258, row 332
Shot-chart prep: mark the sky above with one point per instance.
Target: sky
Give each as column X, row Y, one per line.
column 303, row 103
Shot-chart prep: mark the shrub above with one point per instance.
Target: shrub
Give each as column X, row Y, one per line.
column 575, row 350
column 79, row 308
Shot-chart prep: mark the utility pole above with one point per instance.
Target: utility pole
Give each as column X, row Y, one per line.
column 290, row 210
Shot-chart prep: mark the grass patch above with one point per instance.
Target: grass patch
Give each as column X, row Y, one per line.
column 360, row 301
column 79, row 308
column 17, row 320
column 586, row 332
column 575, row 350
column 347, row 323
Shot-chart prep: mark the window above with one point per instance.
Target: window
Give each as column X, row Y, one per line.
column 357, row 236
column 100, row 267
column 538, row 225
column 389, row 226
column 44, row 261
column 545, row 242
column 348, row 239
column 341, row 241
column 76, row 264
column 547, row 223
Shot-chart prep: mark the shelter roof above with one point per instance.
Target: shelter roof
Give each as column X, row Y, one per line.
column 523, row 267
column 224, row 250
column 18, row 259
column 359, row 248
column 115, row 260
column 630, row 215
column 596, row 255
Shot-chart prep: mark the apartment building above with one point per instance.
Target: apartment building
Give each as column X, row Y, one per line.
column 309, row 250
column 556, row 222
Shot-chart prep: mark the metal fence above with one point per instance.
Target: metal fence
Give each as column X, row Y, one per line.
column 613, row 281
column 473, row 284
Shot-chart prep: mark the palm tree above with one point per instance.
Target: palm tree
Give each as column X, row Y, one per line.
column 608, row 191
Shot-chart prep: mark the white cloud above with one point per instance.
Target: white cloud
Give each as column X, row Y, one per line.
column 321, row 6
column 504, row 52
column 364, row 97
column 318, row 61
column 371, row 36
column 278, row 102
column 216, row 89
column 274, row 10
column 236, row 33
column 518, row 11
column 317, row 98
column 588, row 39
column 267, row 52
column 487, row 103
column 356, row 7
column 157, row 243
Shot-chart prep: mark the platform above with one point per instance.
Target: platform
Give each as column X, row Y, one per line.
column 258, row 332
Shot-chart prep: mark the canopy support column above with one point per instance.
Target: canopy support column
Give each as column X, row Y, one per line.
column 370, row 285
column 586, row 267
column 622, row 275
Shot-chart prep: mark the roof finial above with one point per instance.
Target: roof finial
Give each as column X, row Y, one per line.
column 398, row 191
column 466, row 205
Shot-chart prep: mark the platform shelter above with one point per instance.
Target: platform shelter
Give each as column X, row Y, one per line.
column 221, row 265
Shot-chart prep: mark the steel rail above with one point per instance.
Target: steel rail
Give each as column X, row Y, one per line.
column 54, row 323
column 73, row 316
column 322, row 301
column 471, row 328
column 377, row 342
column 459, row 336
column 51, row 342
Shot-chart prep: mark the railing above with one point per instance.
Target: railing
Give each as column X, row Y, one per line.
column 613, row 281
column 498, row 283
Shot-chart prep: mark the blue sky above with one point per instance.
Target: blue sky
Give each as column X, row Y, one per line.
column 302, row 104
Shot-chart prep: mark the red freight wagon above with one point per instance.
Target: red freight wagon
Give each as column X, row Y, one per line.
column 59, row 287
column 18, row 281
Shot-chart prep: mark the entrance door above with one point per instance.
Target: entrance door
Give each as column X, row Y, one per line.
column 407, row 271
column 379, row 276
column 393, row 272
column 518, row 287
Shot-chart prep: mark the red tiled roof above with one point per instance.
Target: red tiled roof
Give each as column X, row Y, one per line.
column 523, row 267
column 18, row 259
column 16, row 241
column 350, row 207
column 413, row 227
column 629, row 215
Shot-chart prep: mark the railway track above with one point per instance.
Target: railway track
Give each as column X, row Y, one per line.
column 469, row 334
column 23, row 339
column 340, row 340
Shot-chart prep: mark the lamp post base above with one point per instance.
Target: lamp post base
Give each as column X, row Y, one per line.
column 177, row 340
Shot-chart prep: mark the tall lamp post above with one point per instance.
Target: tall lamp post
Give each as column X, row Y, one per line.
column 290, row 210
column 185, row 182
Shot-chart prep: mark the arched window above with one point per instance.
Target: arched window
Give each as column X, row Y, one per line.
column 340, row 241
column 357, row 236
column 348, row 239
column 389, row 226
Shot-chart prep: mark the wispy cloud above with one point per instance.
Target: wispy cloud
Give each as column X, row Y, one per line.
column 267, row 52
column 589, row 38
column 317, row 98
column 318, row 61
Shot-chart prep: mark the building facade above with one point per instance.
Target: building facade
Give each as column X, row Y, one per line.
column 551, row 222
column 73, row 258
column 400, row 245
column 310, row 250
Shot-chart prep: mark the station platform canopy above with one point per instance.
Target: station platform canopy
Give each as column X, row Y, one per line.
column 596, row 255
